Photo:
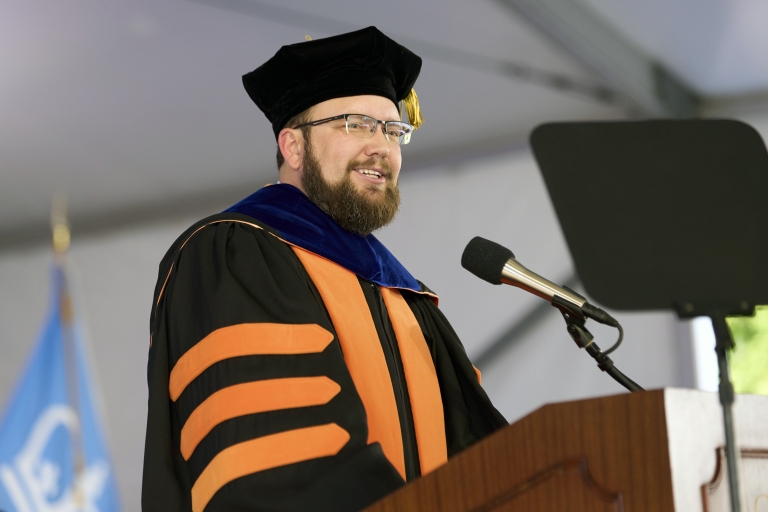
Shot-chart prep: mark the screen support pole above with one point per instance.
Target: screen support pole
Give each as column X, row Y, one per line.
column 723, row 343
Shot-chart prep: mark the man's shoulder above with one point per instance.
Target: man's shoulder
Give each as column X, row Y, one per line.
column 200, row 236
column 198, row 232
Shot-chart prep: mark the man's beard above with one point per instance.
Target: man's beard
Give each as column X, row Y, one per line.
column 358, row 211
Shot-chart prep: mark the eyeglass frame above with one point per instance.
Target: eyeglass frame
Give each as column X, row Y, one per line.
column 346, row 125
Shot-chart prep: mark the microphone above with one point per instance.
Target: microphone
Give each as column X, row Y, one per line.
column 496, row 264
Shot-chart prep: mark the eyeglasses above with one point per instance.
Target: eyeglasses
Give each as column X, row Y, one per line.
column 364, row 127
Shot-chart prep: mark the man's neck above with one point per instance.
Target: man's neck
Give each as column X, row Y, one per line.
column 290, row 177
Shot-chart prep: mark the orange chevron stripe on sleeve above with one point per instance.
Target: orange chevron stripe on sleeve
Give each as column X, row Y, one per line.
column 251, row 398
column 245, row 340
column 265, row 453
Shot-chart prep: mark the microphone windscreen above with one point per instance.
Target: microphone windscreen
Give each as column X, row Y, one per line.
column 485, row 259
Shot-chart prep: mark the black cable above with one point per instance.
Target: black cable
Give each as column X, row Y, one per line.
column 605, row 363
column 618, row 342
column 623, row 379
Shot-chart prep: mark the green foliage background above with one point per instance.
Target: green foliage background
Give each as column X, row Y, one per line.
column 749, row 359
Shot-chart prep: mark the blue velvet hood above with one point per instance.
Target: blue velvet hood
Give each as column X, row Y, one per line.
column 299, row 221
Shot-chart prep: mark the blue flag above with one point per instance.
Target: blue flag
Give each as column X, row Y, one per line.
column 53, row 456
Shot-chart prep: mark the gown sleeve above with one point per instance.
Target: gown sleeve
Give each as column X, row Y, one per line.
column 251, row 406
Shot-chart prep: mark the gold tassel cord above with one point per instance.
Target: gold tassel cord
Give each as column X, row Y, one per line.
column 411, row 103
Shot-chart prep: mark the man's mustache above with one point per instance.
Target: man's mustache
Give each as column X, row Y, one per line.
column 371, row 162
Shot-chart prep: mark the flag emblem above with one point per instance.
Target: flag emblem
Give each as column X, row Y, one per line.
column 53, row 456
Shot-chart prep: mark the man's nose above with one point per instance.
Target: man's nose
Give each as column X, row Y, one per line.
column 378, row 144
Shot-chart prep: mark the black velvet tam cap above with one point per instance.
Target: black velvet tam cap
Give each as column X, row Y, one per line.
column 305, row 74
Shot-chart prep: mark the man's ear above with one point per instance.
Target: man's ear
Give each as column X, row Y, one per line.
column 291, row 144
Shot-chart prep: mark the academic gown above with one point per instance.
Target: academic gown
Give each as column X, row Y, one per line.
column 233, row 269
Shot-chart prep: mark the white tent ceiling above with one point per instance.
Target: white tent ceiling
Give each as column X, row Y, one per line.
column 716, row 46
column 136, row 108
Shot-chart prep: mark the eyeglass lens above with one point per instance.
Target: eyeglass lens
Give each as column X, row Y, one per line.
column 365, row 127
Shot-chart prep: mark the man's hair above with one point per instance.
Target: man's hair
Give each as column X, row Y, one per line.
column 300, row 118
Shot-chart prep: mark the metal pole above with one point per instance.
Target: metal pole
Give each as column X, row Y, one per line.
column 724, row 342
column 61, row 238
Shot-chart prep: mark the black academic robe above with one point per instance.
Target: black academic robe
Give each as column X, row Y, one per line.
column 222, row 273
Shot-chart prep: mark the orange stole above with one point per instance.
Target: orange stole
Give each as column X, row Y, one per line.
column 364, row 356
column 423, row 389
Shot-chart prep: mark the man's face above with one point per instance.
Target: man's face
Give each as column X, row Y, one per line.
column 338, row 168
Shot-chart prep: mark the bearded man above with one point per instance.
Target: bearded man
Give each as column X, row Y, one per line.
column 294, row 363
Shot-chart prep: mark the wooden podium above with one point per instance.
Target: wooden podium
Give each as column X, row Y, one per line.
column 654, row 451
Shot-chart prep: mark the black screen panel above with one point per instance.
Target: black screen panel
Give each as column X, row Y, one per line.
column 660, row 213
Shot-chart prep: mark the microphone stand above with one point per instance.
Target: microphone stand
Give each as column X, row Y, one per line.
column 574, row 320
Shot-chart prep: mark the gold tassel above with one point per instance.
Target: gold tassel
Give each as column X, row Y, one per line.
column 411, row 103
